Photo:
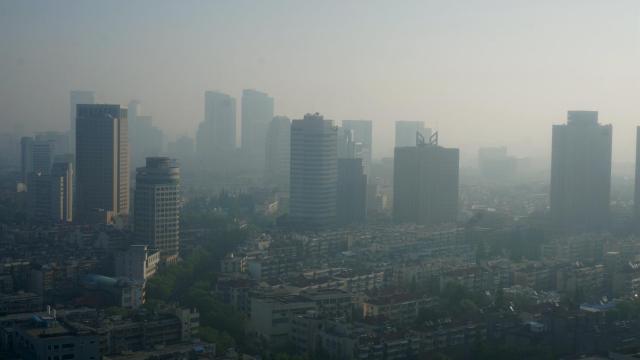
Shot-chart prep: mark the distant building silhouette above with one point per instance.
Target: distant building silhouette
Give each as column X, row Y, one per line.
column 102, row 161
column 581, row 173
column 216, row 136
column 145, row 139
column 183, row 150
column 425, row 184
column 157, row 206
column 362, row 134
column 278, row 151
column 347, row 147
column 77, row 97
column 257, row 113
column 36, row 156
column 352, row 192
column 495, row 164
column 59, row 141
column 406, row 132
column 313, row 181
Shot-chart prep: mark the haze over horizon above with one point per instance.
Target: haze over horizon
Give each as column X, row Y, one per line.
column 483, row 73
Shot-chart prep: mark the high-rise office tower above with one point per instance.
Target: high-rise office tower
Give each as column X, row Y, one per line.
column 425, row 184
column 363, row 134
column 102, row 161
column 62, row 192
column 278, row 153
column 216, row 136
column 42, row 153
column 36, row 156
column 352, row 191
column 406, row 132
column 257, row 113
column 39, row 196
column 314, row 172
column 581, row 173
column 157, row 206
column 77, row 97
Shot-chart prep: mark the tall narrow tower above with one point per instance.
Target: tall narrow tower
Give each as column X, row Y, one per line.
column 102, row 162
column 314, row 172
column 216, row 136
column 425, row 183
column 581, row 173
column 157, row 206
column 76, row 98
column 257, row 113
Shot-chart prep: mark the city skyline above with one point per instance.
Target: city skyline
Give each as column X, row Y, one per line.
column 484, row 94
column 287, row 180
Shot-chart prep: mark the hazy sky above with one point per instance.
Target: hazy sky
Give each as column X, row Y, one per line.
column 483, row 72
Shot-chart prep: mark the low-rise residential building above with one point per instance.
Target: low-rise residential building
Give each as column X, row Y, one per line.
column 398, row 307
column 271, row 316
column 20, row 302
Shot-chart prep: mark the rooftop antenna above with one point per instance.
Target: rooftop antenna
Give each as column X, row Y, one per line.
column 433, row 139
column 419, row 139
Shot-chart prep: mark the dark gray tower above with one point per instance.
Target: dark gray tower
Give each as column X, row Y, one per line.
column 76, row 98
column 425, row 183
column 581, row 173
column 102, row 162
column 352, row 191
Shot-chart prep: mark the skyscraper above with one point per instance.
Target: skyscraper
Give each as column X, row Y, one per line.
column 157, row 206
column 77, row 97
column 216, row 136
column 581, row 173
column 363, row 134
column 39, row 196
column 62, row 192
column 278, row 153
column 36, row 156
column 313, row 180
column 42, row 156
column 102, row 161
column 425, row 184
column 406, row 132
column 257, row 113
column 352, row 191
